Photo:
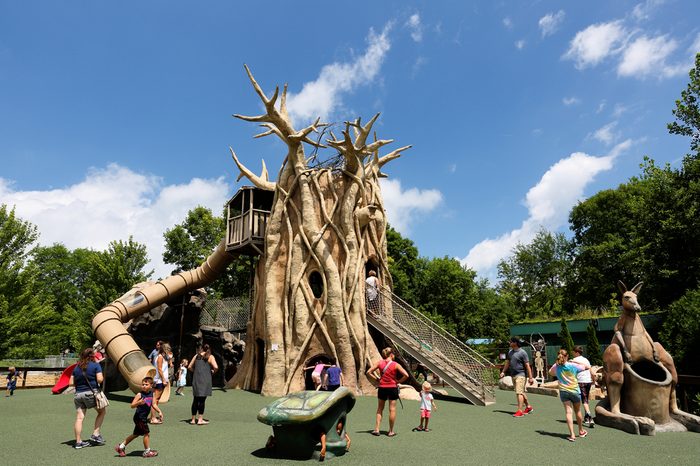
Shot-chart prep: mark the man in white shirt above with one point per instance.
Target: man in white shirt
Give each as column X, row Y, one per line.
column 584, row 383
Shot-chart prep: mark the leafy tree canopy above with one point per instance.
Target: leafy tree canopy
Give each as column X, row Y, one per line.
column 534, row 277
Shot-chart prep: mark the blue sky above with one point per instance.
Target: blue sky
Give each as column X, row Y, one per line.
column 115, row 118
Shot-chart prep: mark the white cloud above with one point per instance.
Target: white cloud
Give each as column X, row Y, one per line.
column 113, row 203
column 414, row 25
column 592, row 45
column 324, row 95
column 550, row 22
column 402, row 206
column 601, row 106
column 520, row 44
column 508, row 23
column 647, row 56
column 417, row 65
column 695, row 47
column 606, row 134
column 548, row 204
column 569, row 101
column 643, row 11
column 452, row 168
column 619, row 110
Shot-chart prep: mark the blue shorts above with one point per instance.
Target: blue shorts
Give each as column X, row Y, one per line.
column 569, row 396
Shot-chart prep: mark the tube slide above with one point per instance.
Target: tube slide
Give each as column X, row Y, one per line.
column 108, row 326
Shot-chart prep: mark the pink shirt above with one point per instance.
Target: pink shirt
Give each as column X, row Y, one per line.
column 388, row 379
column 318, row 369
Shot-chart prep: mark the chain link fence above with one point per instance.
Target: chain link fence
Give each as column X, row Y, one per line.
column 232, row 314
column 434, row 341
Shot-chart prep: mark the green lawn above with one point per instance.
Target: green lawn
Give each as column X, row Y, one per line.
column 37, row 429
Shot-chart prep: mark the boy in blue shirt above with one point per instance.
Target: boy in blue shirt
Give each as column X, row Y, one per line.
column 142, row 402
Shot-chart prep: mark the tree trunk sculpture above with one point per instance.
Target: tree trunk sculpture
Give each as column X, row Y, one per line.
column 326, row 228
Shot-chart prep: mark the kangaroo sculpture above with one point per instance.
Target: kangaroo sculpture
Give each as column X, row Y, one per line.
column 641, row 378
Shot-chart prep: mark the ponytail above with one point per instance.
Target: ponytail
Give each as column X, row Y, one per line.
column 562, row 356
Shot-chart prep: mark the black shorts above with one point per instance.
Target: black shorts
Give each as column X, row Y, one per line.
column 141, row 427
column 585, row 390
column 332, row 388
column 385, row 393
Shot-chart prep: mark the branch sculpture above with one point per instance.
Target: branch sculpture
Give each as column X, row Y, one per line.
column 325, row 222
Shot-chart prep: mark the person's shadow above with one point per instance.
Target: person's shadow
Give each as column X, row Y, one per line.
column 553, row 434
column 509, row 413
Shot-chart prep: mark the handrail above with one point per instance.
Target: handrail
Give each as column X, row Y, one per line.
column 434, row 342
column 436, row 327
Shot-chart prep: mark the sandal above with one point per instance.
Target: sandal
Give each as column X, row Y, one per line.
column 426, row 430
column 202, row 422
column 583, row 433
column 571, row 439
column 375, row 433
column 391, row 434
column 417, row 429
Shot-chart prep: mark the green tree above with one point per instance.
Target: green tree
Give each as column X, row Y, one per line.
column 403, row 264
column 566, row 341
column 680, row 332
column 18, row 296
column 113, row 272
column 687, row 111
column 188, row 244
column 65, row 279
column 593, row 346
column 535, row 275
column 448, row 290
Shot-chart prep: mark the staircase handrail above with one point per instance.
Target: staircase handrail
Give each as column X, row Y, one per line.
column 428, row 321
column 437, row 341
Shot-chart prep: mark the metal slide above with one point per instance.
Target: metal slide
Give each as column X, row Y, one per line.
column 453, row 361
column 108, row 323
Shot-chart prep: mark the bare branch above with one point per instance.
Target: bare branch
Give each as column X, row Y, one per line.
column 362, row 138
column 283, row 103
column 259, row 181
column 381, row 161
column 376, row 145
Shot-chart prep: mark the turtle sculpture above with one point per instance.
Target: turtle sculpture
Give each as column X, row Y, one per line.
column 299, row 419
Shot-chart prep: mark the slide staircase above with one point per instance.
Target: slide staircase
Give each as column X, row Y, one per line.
column 461, row 367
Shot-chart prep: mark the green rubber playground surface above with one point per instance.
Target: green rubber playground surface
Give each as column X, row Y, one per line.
column 37, row 428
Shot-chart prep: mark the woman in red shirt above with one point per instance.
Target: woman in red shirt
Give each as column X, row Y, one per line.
column 391, row 374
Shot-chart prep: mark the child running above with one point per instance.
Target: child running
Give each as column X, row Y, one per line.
column 142, row 402
column 427, row 403
column 182, row 377
column 12, row 377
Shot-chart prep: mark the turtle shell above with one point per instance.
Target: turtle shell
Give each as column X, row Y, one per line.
column 306, row 406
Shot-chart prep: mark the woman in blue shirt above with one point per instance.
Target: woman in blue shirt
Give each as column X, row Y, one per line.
column 87, row 377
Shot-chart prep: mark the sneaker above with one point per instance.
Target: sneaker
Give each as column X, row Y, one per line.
column 150, row 454
column 528, row 410
column 81, row 444
column 120, row 451
column 97, row 439
column 518, row 413
column 590, row 422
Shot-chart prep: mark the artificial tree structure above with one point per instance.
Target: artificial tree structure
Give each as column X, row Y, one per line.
column 326, row 228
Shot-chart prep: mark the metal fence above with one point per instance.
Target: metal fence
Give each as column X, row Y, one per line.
column 232, row 314
column 434, row 341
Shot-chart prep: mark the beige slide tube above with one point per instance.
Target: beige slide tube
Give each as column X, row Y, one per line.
column 108, row 323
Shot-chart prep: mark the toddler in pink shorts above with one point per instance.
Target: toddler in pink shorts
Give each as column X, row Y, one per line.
column 427, row 403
